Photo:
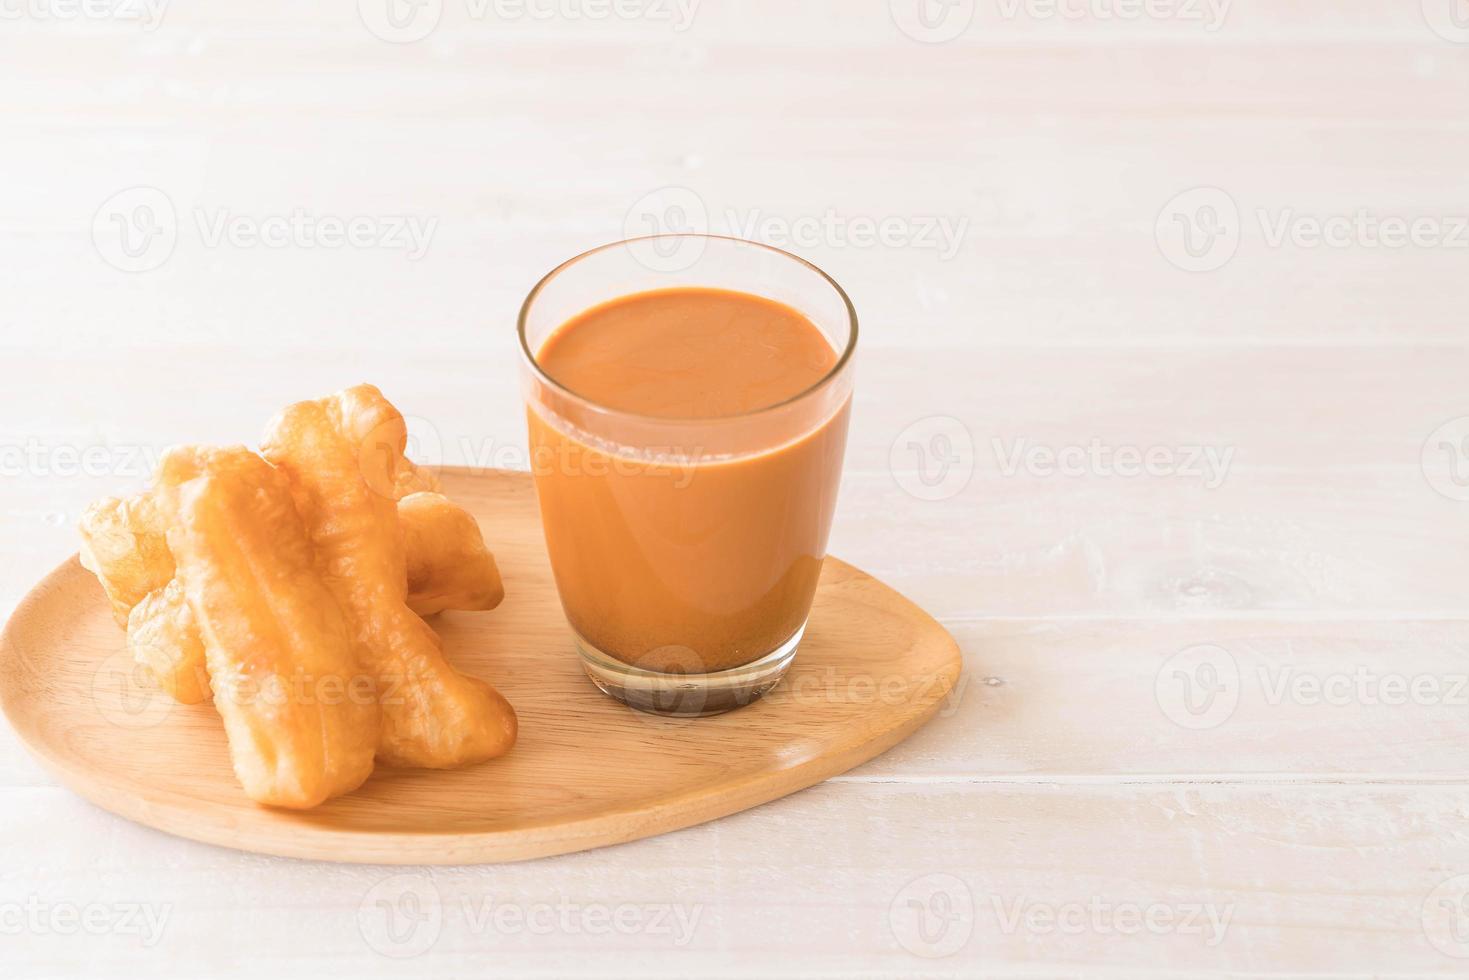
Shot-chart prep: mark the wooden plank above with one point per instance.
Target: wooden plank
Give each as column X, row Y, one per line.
column 1057, row 187
column 1323, row 506
column 1344, row 544
column 1211, row 700
column 825, row 23
column 1042, row 880
column 1353, row 701
column 1308, row 409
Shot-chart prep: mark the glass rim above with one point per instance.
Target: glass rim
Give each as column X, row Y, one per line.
column 815, row 387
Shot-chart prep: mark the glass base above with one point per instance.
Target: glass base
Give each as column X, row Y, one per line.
column 687, row 695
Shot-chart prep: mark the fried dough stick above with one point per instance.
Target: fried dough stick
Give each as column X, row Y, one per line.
column 123, row 545
column 163, row 636
column 302, row 724
column 341, row 454
column 448, row 567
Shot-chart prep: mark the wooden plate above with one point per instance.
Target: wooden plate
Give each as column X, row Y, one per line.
column 586, row 772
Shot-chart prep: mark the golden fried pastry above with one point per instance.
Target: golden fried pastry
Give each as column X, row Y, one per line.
column 449, row 566
column 302, row 725
column 163, row 635
column 342, row 455
column 123, row 545
column 409, row 478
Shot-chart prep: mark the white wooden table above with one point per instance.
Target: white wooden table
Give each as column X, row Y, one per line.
column 1163, row 316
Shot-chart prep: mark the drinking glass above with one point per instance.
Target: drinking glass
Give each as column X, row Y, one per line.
column 686, row 551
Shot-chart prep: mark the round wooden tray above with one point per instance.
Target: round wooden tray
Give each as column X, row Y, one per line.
column 586, row 772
